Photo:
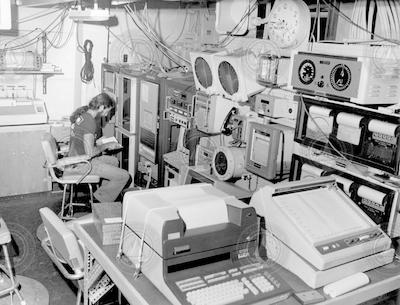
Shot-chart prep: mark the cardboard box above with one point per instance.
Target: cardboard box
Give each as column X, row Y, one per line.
column 108, row 221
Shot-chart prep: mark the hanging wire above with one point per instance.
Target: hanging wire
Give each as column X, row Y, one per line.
column 87, row 70
column 158, row 44
column 349, row 20
column 248, row 12
column 154, row 36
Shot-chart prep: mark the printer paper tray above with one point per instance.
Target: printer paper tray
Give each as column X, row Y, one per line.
column 317, row 278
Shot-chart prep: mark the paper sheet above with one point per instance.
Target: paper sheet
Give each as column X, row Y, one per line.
column 321, row 214
column 209, row 212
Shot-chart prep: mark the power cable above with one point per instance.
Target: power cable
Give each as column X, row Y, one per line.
column 87, row 70
column 344, row 16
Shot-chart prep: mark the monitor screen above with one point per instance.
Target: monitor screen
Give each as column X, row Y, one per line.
column 108, row 81
column 260, row 147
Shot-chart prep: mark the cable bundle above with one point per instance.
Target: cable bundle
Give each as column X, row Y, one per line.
column 365, row 17
column 142, row 22
column 87, row 70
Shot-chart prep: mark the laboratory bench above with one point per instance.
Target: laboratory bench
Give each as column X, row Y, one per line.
column 100, row 258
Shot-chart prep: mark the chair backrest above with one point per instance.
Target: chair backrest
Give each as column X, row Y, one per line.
column 50, row 148
column 63, row 240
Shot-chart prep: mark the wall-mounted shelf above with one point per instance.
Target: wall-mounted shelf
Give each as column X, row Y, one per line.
column 45, row 74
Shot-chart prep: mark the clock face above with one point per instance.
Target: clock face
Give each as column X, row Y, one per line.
column 289, row 23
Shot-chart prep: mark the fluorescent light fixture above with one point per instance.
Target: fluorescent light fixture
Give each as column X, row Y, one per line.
column 121, row 2
column 39, row 2
column 5, row 15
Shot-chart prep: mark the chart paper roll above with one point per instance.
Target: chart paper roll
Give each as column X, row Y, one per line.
column 349, row 119
column 345, row 182
column 320, row 111
column 320, row 121
column 349, row 128
column 371, row 194
column 382, row 127
column 309, row 171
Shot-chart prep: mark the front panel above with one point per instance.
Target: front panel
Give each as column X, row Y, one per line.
column 360, row 134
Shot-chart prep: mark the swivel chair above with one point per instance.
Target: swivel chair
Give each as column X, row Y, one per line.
column 68, row 177
column 62, row 246
column 17, row 289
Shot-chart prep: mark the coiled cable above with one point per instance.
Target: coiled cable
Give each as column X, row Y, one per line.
column 87, row 70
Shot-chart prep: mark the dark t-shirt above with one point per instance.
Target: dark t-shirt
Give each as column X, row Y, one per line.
column 84, row 124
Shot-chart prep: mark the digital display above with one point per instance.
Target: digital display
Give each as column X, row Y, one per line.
column 260, row 147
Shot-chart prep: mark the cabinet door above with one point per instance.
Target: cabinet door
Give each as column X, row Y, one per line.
column 22, row 159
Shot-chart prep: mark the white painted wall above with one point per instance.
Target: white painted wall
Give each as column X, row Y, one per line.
column 59, row 99
column 66, row 92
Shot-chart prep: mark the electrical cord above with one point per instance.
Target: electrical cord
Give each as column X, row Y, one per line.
column 249, row 11
column 349, row 20
column 40, row 14
column 35, row 39
column 87, row 70
column 154, row 36
column 282, row 154
column 157, row 45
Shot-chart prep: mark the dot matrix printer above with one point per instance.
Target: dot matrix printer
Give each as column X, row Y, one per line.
column 196, row 244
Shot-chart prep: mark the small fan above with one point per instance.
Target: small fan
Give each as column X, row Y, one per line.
column 235, row 79
column 202, row 66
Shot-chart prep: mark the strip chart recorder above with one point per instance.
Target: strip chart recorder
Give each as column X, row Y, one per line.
column 321, row 234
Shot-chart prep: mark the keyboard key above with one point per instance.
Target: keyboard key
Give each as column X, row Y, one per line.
column 219, row 294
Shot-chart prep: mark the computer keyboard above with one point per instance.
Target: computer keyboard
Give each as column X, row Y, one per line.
column 219, row 294
column 239, row 285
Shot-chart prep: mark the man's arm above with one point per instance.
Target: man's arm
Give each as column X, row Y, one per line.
column 90, row 148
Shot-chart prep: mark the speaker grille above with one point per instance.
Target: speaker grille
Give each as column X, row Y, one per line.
column 228, row 78
column 203, row 72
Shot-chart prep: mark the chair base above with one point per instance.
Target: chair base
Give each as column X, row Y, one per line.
column 33, row 292
column 67, row 208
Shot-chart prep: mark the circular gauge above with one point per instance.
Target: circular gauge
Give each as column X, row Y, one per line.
column 203, row 72
column 221, row 163
column 340, row 77
column 228, row 162
column 307, row 72
column 289, row 23
column 228, row 78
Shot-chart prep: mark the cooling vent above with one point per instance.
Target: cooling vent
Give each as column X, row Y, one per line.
column 228, row 78
column 234, row 78
column 203, row 72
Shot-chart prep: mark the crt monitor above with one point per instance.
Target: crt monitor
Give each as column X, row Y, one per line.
column 268, row 149
column 108, row 79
